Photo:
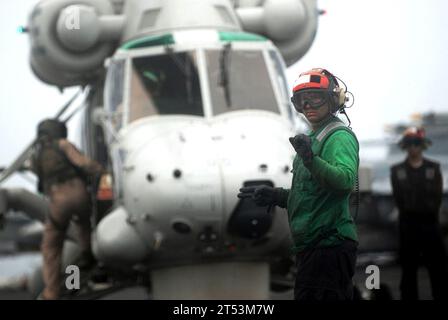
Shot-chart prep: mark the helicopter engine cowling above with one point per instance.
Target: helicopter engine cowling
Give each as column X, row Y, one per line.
column 70, row 40
column 290, row 24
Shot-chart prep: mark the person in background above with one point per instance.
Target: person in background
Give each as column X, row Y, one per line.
column 417, row 190
column 63, row 172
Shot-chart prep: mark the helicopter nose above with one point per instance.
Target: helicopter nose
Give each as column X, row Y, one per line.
column 179, row 186
column 172, row 176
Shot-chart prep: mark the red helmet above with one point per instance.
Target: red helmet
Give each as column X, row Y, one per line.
column 320, row 81
column 313, row 79
column 414, row 136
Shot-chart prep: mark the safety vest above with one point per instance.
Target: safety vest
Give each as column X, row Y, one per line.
column 334, row 125
column 53, row 166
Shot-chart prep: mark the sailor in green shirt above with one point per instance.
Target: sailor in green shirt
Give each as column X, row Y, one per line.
column 324, row 174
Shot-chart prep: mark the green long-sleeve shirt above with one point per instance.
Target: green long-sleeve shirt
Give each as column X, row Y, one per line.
column 318, row 200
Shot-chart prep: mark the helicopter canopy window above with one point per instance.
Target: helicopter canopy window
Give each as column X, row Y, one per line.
column 114, row 92
column 239, row 80
column 165, row 84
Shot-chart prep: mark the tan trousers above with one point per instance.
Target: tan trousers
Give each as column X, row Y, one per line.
column 66, row 200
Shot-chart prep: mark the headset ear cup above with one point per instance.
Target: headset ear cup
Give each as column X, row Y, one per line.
column 339, row 97
column 342, row 97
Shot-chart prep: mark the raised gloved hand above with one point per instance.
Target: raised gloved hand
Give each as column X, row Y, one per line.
column 263, row 195
column 302, row 144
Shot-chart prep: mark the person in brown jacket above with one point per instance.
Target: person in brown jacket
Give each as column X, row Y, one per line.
column 63, row 172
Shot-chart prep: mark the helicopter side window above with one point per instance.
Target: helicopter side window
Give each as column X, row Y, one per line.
column 165, row 84
column 114, row 92
column 238, row 80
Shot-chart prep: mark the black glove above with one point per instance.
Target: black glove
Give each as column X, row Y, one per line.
column 264, row 195
column 302, row 144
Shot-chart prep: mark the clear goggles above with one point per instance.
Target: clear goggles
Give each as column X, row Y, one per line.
column 313, row 98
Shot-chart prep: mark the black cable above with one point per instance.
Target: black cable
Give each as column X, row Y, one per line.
column 346, row 115
column 353, row 99
column 346, row 88
column 357, row 199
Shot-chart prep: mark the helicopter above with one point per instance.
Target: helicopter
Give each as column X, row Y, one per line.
column 179, row 96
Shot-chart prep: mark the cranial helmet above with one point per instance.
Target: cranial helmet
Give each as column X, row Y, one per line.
column 414, row 136
column 53, row 128
column 320, row 82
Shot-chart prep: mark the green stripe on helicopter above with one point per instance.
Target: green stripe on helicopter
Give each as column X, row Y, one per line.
column 168, row 39
column 240, row 36
column 150, row 41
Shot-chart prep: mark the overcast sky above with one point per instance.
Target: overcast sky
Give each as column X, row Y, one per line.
column 391, row 53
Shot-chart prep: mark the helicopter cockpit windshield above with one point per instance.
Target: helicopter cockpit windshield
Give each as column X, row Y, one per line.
column 173, row 82
column 239, row 79
column 165, row 84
